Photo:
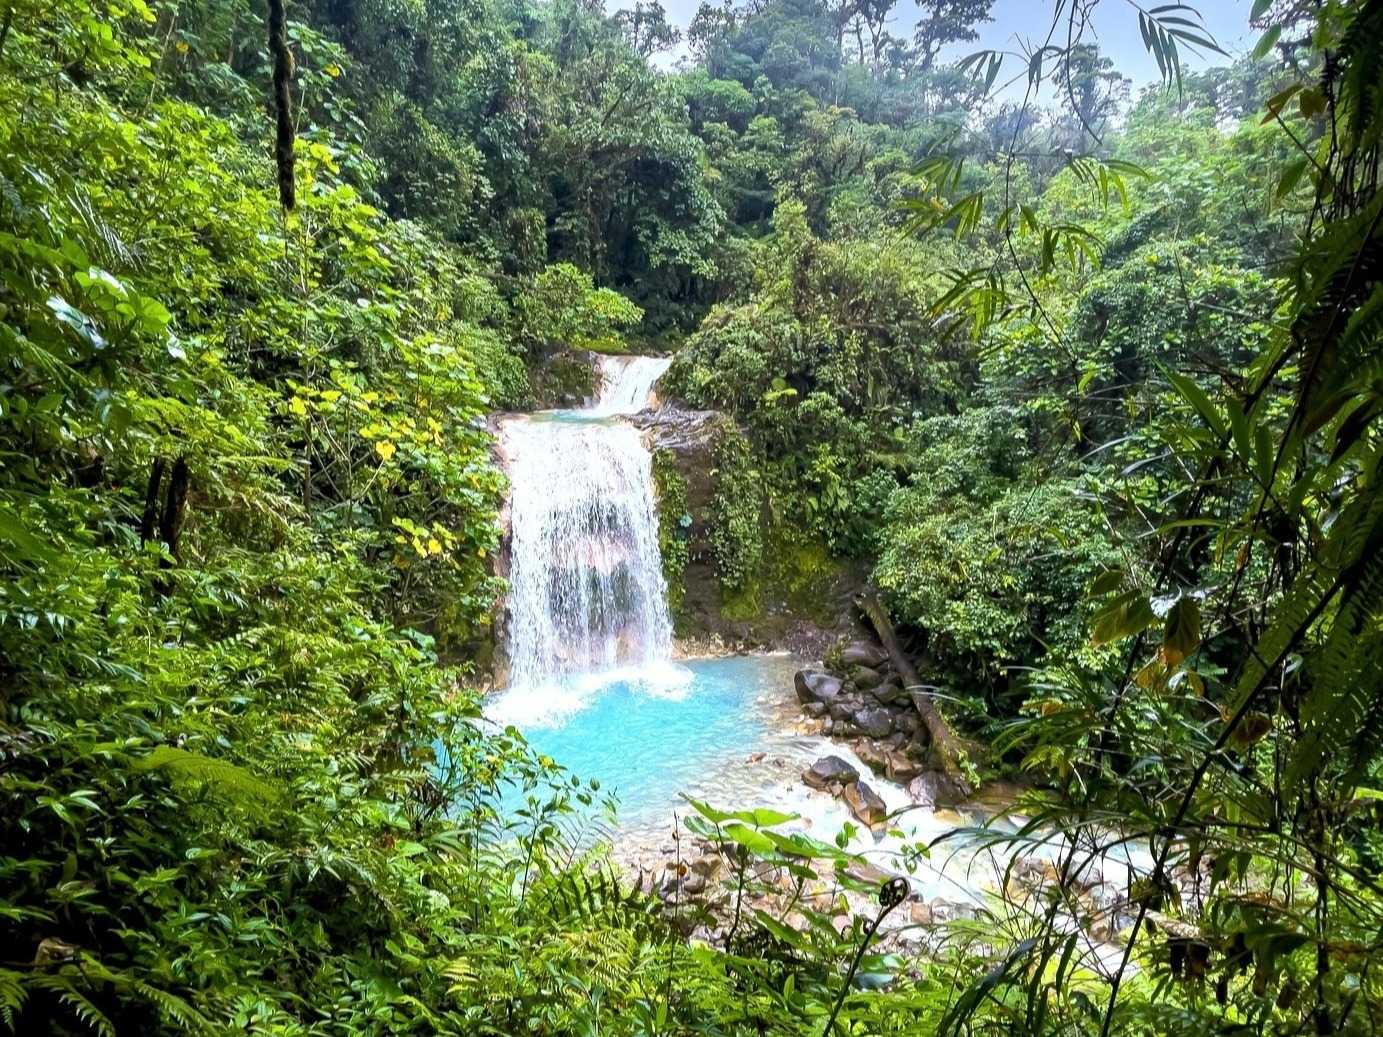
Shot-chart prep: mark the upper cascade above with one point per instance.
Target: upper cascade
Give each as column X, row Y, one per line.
column 626, row 384
column 586, row 587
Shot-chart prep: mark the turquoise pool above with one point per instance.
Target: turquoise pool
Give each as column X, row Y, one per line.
column 651, row 734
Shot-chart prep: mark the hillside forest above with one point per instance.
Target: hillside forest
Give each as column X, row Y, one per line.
column 1080, row 378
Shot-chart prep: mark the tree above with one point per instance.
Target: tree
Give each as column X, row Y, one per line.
column 646, row 27
column 943, row 22
column 1092, row 92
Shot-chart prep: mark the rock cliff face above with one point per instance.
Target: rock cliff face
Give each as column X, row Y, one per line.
column 566, row 378
column 804, row 599
column 688, row 438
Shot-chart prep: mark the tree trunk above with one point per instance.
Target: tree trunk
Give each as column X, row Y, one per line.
column 949, row 749
column 283, row 103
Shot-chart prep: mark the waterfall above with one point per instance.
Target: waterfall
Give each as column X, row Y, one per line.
column 626, row 383
column 586, row 583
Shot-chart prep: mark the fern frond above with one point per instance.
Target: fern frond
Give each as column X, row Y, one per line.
column 1347, row 669
column 171, row 1008
column 61, row 985
column 12, row 997
column 229, row 780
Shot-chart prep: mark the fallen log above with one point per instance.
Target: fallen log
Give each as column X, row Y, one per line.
column 947, row 747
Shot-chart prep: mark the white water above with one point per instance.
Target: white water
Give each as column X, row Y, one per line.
column 586, row 585
column 626, row 383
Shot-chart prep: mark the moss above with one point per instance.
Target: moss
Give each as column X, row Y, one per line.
column 804, row 571
column 762, row 562
column 737, row 514
column 796, row 576
column 674, row 526
column 743, row 604
column 562, row 378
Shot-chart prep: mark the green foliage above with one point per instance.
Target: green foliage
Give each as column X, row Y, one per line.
column 244, row 472
column 562, row 306
column 823, row 369
column 247, row 503
column 985, row 552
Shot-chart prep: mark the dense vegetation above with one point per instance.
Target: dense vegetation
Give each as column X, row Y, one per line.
column 1090, row 387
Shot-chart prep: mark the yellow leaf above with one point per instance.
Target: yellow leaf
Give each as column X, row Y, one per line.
column 385, row 449
column 332, row 70
column 182, row 47
column 480, row 552
column 298, row 406
column 434, row 546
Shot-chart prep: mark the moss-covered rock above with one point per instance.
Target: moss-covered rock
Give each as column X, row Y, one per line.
column 674, row 525
column 564, row 378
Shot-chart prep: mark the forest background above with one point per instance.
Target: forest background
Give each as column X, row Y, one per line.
column 1087, row 382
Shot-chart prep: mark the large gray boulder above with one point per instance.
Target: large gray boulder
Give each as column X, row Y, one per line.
column 890, row 693
column 830, row 773
column 814, row 686
column 865, row 804
column 862, row 653
column 875, row 721
column 866, row 678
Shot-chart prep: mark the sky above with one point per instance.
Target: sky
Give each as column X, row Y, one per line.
column 1114, row 27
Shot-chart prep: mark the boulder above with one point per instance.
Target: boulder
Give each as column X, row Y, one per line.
column 932, row 789
column 844, row 707
column 813, row 686
column 868, row 874
column 1031, row 874
column 901, row 767
column 865, row 804
column 875, row 721
column 890, row 693
column 862, row 653
column 951, row 910
column 910, row 723
column 814, row 709
column 873, row 755
column 921, row 913
column 830, row 773
column 707, row 866
column 865, row 678
column 765, row 872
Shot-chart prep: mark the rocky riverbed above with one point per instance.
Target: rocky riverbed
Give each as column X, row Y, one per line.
column 847, row 753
